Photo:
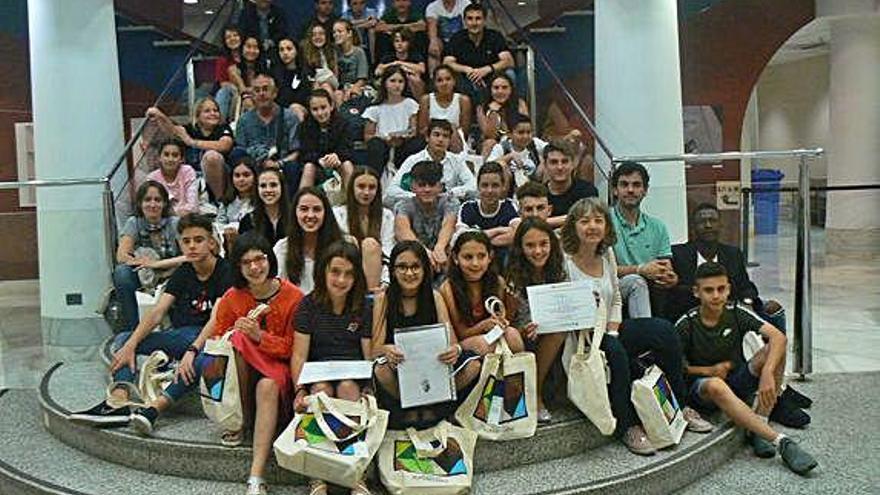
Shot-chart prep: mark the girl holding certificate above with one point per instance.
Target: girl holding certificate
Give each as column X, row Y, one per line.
column 332, row 323
column 410, row 301
column 587, row 237
column 472, row 280
column 535, row 259
column 262, row 342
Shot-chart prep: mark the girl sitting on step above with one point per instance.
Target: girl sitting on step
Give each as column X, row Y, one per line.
column 333, row 323
column 411, row 301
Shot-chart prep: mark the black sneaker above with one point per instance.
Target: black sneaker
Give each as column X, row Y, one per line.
column 102, row 415
column 792, row 396
column 762, row 448
column 796, row 458
column 787, row 414
column 143, row 419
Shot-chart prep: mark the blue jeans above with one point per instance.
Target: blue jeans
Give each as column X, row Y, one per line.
column 173, row 342
column 126, row 283
column 225, row 97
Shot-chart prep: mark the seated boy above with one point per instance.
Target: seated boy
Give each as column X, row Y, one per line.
column 520, row 153
column 492, row 212
column 430, row 216
column 720, row 378
column 188, row 299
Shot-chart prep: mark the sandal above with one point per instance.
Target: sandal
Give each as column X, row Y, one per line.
column 318, row 487
column 231, row 438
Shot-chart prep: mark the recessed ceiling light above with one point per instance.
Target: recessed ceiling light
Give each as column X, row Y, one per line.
column 191, row 2
column 209, row 12
column 521, row 3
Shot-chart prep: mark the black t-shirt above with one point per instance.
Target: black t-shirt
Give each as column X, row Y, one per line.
column 194, row 155
column 707, row 346
column 465, row 52
column 579, row 189
column 293, row 85
column 333, row 337
column 194, row 299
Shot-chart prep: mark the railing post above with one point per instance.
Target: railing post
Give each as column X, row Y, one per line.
column 109, row 224
column 746, row 217
column 531, row 74
column 190, row 84
column 803, row 300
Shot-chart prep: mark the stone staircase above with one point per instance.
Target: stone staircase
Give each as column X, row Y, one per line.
column 44, row 453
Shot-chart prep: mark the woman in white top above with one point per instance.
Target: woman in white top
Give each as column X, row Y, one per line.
column 372, row 226
column 445, row 104
column 587, row 238
column 312, row 228
column 391, row 122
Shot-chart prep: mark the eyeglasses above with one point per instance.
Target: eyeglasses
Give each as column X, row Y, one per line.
column 259, row 260
column 402, row 268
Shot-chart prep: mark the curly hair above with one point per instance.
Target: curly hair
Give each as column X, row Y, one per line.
column 585, row 207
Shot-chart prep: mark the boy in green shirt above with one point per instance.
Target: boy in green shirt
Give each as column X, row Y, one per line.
column 720, row 377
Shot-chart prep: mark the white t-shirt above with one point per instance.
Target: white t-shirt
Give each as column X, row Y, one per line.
column 523, row 158
column 448, row 21
column 306, row 280
column 391, row 118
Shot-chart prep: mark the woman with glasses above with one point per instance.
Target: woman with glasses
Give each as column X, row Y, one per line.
column 263, row 345
column 411, row 301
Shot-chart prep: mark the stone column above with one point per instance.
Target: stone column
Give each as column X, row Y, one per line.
column 77, row 111
column 638, row 97
column 853, row 221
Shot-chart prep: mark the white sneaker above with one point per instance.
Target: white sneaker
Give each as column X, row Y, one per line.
column 695, row 422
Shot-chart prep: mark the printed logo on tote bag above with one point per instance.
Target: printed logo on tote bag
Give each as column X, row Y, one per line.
column 309, row 430
column 214, row 378
column 450, row 462
column 503, row 401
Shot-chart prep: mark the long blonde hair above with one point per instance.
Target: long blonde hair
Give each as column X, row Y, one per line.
column 197, row 109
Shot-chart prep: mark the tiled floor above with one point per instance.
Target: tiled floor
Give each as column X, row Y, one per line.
column 846, row 312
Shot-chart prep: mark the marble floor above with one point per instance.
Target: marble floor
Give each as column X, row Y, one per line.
column 846, row 311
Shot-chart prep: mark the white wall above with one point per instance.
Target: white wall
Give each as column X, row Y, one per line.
column 793, row 112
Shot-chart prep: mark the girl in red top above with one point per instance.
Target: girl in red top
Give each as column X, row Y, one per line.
column 264, row 344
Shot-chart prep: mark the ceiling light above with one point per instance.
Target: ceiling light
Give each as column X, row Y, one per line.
column 191, row 2
column 521, row 3
column 209, row 12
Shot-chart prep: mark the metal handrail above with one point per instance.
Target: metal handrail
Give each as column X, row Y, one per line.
column 570, row 97
column 180, row 69
column 55, row 183
column 717, row 157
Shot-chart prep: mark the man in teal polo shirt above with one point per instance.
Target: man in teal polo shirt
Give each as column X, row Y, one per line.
column 643, row 251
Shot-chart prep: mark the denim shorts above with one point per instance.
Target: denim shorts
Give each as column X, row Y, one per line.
column 741, row 381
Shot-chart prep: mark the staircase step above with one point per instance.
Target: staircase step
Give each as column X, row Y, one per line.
column 188, row 434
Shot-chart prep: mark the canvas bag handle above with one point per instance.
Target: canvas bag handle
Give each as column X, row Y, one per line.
column 423, row 446
column 320, row 403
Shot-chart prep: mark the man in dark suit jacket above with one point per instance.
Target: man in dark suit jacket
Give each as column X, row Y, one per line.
column 706, row 226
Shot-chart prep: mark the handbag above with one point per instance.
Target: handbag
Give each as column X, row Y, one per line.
column 436, row 461
column 218, row 385
column 503, row 404
column 658, row 408
column 335, row 440
column 152, row 380
column 333, row 188
column 588, row 377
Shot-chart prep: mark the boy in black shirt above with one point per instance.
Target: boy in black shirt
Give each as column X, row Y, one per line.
column 564, row 189
column 188, row 300
column 720, row 377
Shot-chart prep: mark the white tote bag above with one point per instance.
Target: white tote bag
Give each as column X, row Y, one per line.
column 588, row 377
column 152, row 380
column 334, row 441
column 503, row 404
column 218, row 386
column 658, row 408
column 436, row 461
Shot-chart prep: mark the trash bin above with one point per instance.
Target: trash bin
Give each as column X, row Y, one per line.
column 765, row 187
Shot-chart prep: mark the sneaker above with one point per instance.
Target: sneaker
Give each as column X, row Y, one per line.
column 103, row 415
column 361, row 489
column 637, row 441
column 792, row 396
column 257, row 488
column 143, row 419
column 796, row 458
column 317, row 487
column 695, row 422
column 762, row 448
column 787, row 414
column 544, row 416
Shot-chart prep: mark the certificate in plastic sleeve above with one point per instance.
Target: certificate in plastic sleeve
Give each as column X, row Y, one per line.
column 422, row 378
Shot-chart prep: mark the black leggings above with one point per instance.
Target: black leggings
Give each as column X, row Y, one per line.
column 378, row 150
